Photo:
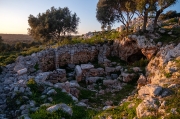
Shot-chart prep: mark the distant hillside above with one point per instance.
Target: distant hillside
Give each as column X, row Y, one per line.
column 13, row 38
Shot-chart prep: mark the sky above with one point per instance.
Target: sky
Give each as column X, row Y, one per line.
column 14, row 13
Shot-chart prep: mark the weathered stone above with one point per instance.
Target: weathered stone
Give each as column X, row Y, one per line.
column 149, row 90
column 81, row 104
column 86, row 66
column 22, row 71
column 146, row 108
column 90, row 80
column 75, row 92
column 51, row 92
column 78, row 71
column 109, row 82
column 127, row 77
column 109, row 69
column 65, row 86
column 142, row 81
column 62, row 106
column 114, row 76
column 96, row 72
column 59, row 75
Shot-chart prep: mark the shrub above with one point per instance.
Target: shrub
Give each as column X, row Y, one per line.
column 141, row 63
column 168, row 75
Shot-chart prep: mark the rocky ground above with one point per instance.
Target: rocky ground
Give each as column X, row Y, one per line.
column 92, row 81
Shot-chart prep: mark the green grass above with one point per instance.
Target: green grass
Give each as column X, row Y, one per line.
column 36, row 67
column 96, row 101
column 166, row 38
column 117, row 60
column 120, row 111
column 10, row 57
column 43, row 114
column 141, row 63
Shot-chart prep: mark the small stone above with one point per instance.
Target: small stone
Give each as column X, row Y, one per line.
column 50, row 99
column 51, row 92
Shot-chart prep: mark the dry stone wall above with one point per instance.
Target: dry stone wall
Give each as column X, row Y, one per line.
column 75, row 54
column 51, row 59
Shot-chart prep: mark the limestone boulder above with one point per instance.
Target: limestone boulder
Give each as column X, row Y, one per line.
column 127, row 77
column 149, row 90
column 164, row 58
column 148, row 107
column 140, row 45
column 62, row 106
column 142, row 81
column 64, row 86
column 41, row 77
column 86, row 66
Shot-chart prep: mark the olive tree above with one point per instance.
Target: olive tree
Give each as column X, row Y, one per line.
column 110, row 11
column 160, row 6
column 53, row 24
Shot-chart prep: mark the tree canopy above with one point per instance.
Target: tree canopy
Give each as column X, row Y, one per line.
column 109, row 11
column 53, row 24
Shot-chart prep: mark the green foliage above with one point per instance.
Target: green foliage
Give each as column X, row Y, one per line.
column 43, row 114
column 30, row 51
column 166, row 38
column 121, row 111
column 36, row 90
column 171, row 21
column 83, row 113
column 108, row 12
column 86, row 94
column 10, row 57
column 141, row 63
column 78, row 113
column 62, row 97
column 36, row 67
column 96, row 101
column 168, row 75
column 53, row 23
column 172, row 101
column 168, row 15
column 117, row 60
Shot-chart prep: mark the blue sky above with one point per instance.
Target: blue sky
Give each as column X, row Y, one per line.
column 14, row 13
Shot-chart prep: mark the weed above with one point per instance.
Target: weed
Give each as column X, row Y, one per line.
column 86, row 94
column 43, row 114
column 141, row 63
column 168, row 75
column 120, row 111
column 117, row 60
column 36, row 67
